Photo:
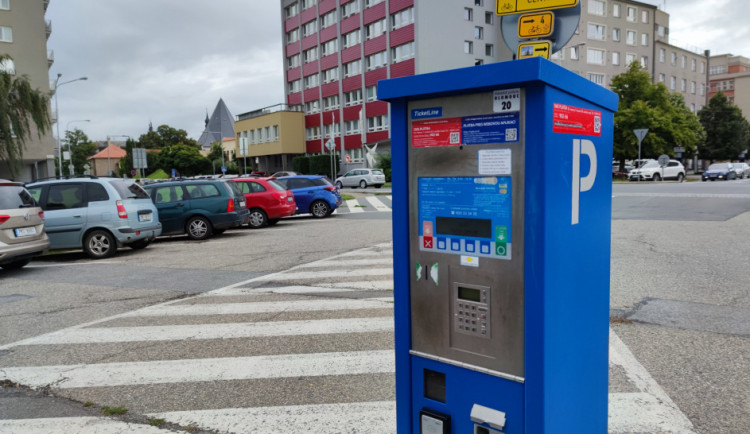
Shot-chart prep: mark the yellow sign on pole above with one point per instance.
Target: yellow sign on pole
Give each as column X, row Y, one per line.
column 511, row 7
column 537, row 25
column 534, row 49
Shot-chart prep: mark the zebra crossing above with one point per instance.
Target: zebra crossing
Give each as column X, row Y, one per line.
column 309, row 349
column 378, row 203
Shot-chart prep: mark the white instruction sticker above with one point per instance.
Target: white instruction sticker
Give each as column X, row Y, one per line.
column 506, row 100
column 495, row 162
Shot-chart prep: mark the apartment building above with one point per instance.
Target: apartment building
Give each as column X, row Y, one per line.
column 269, row 138
column 23, row 35
column 613, row 34
column 731, row 74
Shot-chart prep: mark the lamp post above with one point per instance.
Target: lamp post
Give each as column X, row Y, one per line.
column 67, row 128
column 109, row 154
column 57, row 114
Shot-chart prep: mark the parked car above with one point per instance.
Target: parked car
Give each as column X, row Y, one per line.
column 741, row 170
column 616, row 167
column 96, row 214
column 267, row 201
column 720, row 171
column 314, row 194
column 22, row 234
column 361, row 178
column 280, row 174
column 199, row 207
column 652, row 171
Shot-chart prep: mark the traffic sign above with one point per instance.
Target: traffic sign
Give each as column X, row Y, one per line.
column 663, row 160
column 510, row 7
column 566, row 21
column 640, row 134
column 679, row 149
column 534, row 49
column 537, row 25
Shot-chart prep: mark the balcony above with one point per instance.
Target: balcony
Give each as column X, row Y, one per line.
column 48, row 25
column 50, row 58
column 270, row 109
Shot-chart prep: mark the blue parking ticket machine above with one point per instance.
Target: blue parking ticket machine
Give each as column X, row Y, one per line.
column 501, row 235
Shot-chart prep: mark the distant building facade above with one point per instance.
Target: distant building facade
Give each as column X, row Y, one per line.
column 272, row 135
column 23, row 35
column 217, row 127
column 731, row 75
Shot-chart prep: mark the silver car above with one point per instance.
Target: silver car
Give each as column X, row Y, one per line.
column 96, row 214
column 22, row 233
column 361, row 178
column 741, row 169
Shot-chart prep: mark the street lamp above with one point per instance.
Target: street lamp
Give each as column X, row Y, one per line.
column 57, row 115
column 67, row 128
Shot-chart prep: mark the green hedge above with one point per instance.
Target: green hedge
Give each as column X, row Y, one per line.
column 301, row 164
column 314, row 165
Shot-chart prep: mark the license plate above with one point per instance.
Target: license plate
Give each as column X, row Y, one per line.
column 25, row 232
column 145, row 217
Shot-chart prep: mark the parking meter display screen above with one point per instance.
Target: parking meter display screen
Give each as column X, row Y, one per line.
column 469, row 294
column 466, row 215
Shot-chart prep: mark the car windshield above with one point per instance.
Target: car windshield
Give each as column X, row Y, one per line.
column 14, row 196
column 128, row 189
column 277, row 185
column 650, row 164
column 720, row 166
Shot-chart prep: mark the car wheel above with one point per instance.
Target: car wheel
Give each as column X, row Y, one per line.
column 198, row 228
column 339, row 185
column 258, row 218
column 680, row 177
column 272, row 222
column 15, row 265
column 99, row 244
column 140, row 244
column 320, row 209
column 362, row 184
column 656, row 177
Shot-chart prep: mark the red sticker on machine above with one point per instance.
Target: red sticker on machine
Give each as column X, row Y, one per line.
column 436, row 132
column 576, row 120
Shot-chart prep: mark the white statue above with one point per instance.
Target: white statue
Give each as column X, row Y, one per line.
column 371, row 154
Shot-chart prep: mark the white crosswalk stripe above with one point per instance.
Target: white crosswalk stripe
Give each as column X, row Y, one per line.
column 365, row 204
column 297, row 304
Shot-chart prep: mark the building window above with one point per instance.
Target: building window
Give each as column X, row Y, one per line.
column 683, row 85
column 250, row 136
column 351, row 127
column 331, row 102
column 309, row 28
column 597, row 78
column 373, row 30
column 292, row 36
column 630, row 37
column 8, row 66
column 478, row 32
column 377, row 123
column 312, row 81
column 644, row 39
column 684, row 62
column 489, row 50
column 644, row 61
column 674, row 59
column 377, row 60
column 478, row 62
column 703, row 67
column 468, row 47
column 573, row 53
column 631, row 15
column 329, row 47
column 703, row 89
column 312, row 107
column 353, row 68
column 369, row 3
column 661, row 31
column 596, row 31
column 291, row 10
column 644, row 17
column 615, row 58
column 597, row 7
column 6, row 34
column 328, row 19
column 352, row 38
column 402, row 18
column 312, row 133
column 468, row 14
column 311, row 54
column 478, row 2
column 330, row 75
column 295, row 86
column 692, row 87
column 616, row 10
column 594, row 56
column 662, row 55
column 616, row 35
column 629, row 58
column 672, row 82
column 402, row 52
column 350, row 8
column 306, row 4
column 353, row 98
column 372, row 93
column 293, row 61
column 489, row 18
column 661, row 78
column 693, row 63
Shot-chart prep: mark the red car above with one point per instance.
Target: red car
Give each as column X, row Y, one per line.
column 267, row 200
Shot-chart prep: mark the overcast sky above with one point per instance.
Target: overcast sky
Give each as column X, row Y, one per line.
column 167, row 61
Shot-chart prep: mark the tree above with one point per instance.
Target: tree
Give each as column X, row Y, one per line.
column 19, row 104
column 165, row 136
column 81, row 148
column 647, row 105
column 187, row 160
column 727, row 131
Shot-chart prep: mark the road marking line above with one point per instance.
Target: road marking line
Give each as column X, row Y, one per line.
column 258, row 307
column 366, row 417
column 199, row 370
column 659, row 408
column 377, row 285
column 380, row 206
column 214, row 331
column 352, row 262
column 79, row 425
column 687, row 195
column 354, row 206
column 329, row 273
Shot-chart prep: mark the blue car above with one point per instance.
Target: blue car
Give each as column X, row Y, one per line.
column 720, row 171
column 314, row 194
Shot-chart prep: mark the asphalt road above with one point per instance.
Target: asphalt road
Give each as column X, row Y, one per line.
column 679, row 301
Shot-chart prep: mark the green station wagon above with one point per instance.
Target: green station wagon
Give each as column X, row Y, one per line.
column 198, row 208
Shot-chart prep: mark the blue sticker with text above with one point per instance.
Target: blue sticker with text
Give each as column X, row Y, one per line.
column 484, row 129
column 426, row 113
